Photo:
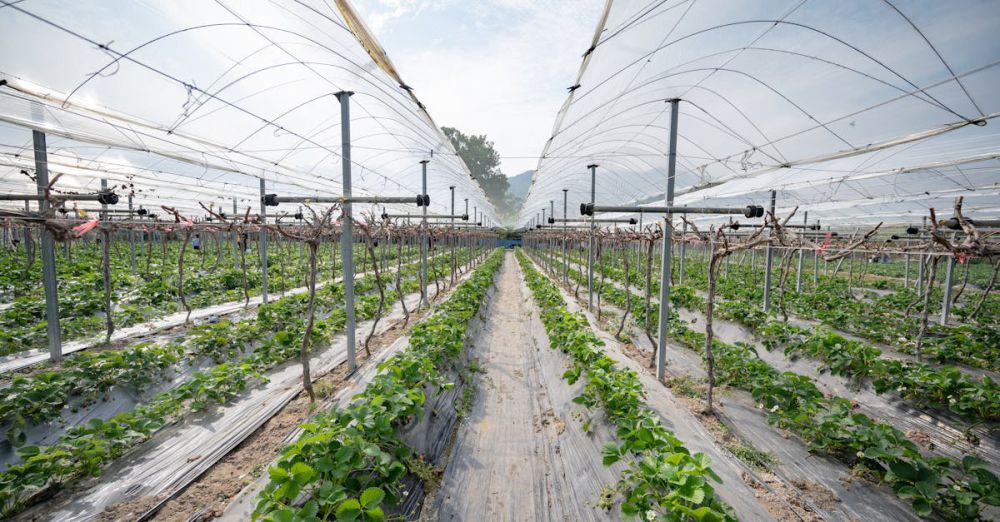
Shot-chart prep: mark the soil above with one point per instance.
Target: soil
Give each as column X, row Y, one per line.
column 776, row 496
column 128, row 510
column 207, row 497
column 817, row 493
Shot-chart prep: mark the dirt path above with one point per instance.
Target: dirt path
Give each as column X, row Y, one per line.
column 521, row 454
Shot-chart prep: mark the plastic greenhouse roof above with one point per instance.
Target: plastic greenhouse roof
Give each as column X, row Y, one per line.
column 193, row 101
column 856, row 111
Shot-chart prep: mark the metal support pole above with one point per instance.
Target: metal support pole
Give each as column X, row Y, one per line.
column 769, row 260
column 727, row 261
column 347, row 226
column 29, row 245
column 424, row 237
column 565, row 238
column 131, row 236
column 263, row 244
column 590, row 240
column 48, row 250
column 661, row 353
column 452, row 238
column 946, row 300
column 236, row 241
column 469, row 260
column 906, row 267
column 541, row 244
column 552, row 212
column 816, row 263
column 638, row 245
column 104, row 207
column 680, row 274
column 920, row 265
column 798, row 274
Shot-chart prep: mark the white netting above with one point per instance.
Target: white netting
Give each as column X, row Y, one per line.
column 857, row 111
column 193, row 101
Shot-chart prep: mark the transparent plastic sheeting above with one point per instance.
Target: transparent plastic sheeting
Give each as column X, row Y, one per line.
column 858, row 111
column 193, row 101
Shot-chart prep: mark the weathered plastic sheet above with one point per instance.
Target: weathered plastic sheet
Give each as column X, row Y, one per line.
column 181, row 452
column 118, row 399
column 432, row 435
column 687, row 428
column 943, row 429
column 522, row 454
column 121, row 399
column 241, row 507
column 27, row 358
column 845, row 497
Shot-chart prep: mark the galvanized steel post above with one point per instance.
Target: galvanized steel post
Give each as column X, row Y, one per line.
column 469, row 241
column 236, row 242
column 347, row 226
column 263, row 244
column 565, row 238
column 424, row 237
column 906, row 267
column 816, row 262
column 798, row 274
column 920, row 265
column 680, row 269
column 590, row 240
column 48, row 250
column 948, row 275
column 131, row 236
column 451, row 240
column 661, row 351
column 769, row 260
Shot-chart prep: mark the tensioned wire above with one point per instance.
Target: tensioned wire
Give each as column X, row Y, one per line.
column 266, row 121
column 918, row 93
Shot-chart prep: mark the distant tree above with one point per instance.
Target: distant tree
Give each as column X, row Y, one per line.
column 484, row 162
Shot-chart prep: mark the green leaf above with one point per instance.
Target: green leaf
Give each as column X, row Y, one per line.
column 904, row 471
column 350, row 509
column 971, row 463
column 372, row 497
column 277, row 474
column 695, row 495
column 927, row 489
column 704, row 514
column 921, row 507
column 302, row 473
column 611, row 453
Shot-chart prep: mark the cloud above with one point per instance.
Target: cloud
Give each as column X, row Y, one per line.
column 498, row 67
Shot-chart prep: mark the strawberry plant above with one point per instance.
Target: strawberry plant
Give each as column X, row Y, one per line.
column 84, row 448
column 663, row 478
column 349, row 461
column 934, row 485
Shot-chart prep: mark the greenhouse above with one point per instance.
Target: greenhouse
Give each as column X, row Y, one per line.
column 751, row 273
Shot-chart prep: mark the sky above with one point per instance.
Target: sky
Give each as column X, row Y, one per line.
column 494, row 67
